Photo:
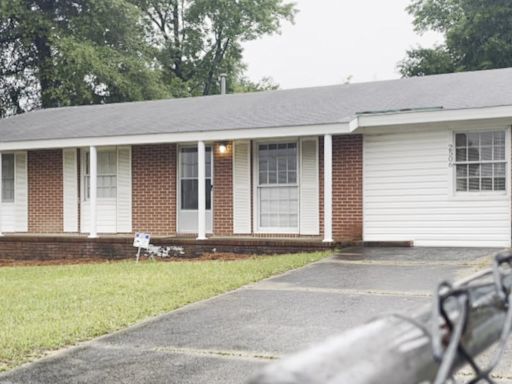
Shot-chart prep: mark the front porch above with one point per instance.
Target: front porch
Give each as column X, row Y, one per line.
column 49, row 247
column 258, row 196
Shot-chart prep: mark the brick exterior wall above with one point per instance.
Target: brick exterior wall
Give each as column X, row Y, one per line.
column 154, row 189
column 223, row 191
column 154, row 192
column 45, row 191
column 347, row 181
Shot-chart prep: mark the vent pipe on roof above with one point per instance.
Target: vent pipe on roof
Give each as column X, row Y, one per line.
column 223, row 77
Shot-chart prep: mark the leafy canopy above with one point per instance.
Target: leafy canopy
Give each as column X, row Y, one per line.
column 478, row 35
column 72, row 52
column 198, row 40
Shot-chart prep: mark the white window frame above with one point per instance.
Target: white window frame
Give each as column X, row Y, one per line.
column 468, row 195
column 13, row 201
column 258, row 229
column 84, row 175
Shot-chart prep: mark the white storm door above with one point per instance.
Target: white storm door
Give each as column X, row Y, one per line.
column 187, row 189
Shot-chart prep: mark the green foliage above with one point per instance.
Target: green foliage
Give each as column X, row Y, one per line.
column 198, row 40
column 478, row 35
column 46, row 308
column 72, row 52
column 57, row 53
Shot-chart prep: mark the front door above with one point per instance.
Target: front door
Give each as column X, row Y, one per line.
column 187, row 189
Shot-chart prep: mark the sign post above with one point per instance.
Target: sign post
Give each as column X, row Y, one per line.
column 141, row 241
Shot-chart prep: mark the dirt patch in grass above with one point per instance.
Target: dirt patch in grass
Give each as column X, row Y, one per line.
column 203, row 257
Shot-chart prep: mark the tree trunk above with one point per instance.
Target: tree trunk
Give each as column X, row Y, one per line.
column 44, row 60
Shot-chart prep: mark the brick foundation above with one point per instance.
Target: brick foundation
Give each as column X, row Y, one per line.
column 26, row 247
column 45, row 191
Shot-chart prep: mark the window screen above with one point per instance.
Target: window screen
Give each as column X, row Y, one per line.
column 7, row 178
column 278, row 186
column 107, row 175
column 480, row 161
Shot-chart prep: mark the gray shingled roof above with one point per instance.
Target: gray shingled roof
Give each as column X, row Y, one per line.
column 295, row 107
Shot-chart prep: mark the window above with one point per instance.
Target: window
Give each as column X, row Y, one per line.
column 7, row 178
column 189, row 179
column 107, row 175
column 480, row 163
column 278, row 190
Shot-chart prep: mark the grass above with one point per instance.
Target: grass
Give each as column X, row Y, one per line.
column 44, row 308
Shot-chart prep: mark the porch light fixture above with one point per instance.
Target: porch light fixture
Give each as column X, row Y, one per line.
column 223, row 147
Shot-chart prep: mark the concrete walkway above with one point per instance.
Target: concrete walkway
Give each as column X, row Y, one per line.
column 228, row 338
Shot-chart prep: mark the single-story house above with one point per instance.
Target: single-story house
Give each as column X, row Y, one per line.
column 420, row 160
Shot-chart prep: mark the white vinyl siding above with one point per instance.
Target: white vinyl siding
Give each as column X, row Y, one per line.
column 241, row 187
column 114, row 201
column 70, row 189
column 410, row 194
column 309, row 188
column 15, row 210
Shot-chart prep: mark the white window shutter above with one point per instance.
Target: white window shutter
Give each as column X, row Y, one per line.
column 241, row 187
column 309, row 188
column 124, row 190
column 21, row 192
column 70, row 189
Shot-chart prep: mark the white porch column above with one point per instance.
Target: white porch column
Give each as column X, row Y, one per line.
column 1, row 194
column 328, row 189
column 93, row 178
column 201, row 191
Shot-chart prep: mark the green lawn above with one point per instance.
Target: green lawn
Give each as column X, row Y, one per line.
column 47, row 307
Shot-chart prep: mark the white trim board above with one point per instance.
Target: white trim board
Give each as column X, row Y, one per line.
column 181, row 137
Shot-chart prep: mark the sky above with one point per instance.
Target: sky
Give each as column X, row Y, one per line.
column 332, row 40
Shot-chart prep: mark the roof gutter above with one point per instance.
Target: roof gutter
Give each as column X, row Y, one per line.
column 436, row 115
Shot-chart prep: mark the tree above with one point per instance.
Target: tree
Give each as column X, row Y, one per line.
column 69, row 52
column 478, row 35
column 199, row 39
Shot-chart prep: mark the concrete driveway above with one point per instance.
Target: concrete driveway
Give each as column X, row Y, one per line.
column 228, row 338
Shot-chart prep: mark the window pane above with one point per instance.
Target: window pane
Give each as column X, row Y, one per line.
column 7, row 178
column 461, row 154
column 486, row 138
column 460, row 140
column 473, row 140
column 189, row 194
column 499, row 170
column 473, row 154
column 487, row 184
column 474, row 170
column 462, row 185
column 462, row 170
column 263, row 177
column 107, row 163
column 474, row 184
column 499, row 153
column 278, row 207
column 499, row 183
column 486, row 153
column 499, row 138
column 277, row 163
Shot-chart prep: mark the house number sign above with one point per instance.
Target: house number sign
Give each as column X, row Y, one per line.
column 451, row 156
